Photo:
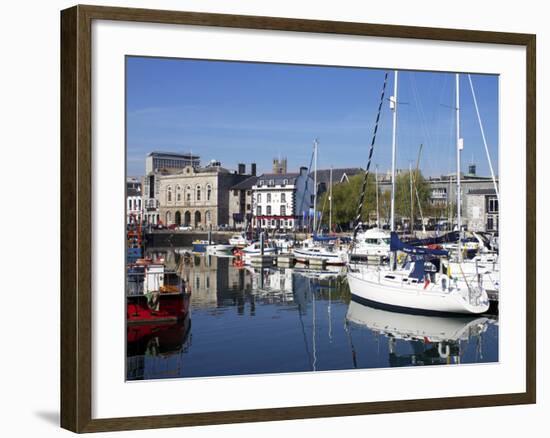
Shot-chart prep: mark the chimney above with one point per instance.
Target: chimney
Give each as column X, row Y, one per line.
column 242, row 168
column 253, row 169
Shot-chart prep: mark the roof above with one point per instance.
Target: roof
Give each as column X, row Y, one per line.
column 323, row 176
column 185, row 155
column 278, row 178
column 246, row 184
column 491, row 191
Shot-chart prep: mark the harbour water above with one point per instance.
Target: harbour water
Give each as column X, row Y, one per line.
column 245, row 320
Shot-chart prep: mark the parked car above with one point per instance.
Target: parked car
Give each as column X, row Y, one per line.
column 185, row 228
column 172, row 227
column 223, row 227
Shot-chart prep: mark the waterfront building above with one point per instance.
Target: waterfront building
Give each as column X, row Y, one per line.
column 282, row 200
column 197, row 196
column 158, row 164
column 442, row 191
column 240, row 201
column 482, row 210
column 169, row 161
column 134, row 210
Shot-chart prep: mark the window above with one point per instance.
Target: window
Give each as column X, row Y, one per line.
column 259, row 198
column 188, row 195
column 259, row 210
column 198, row 197
column 178, row 193
column 169, row 194
column 268, row 210
column 269, row 197
column 272, row 222
column 271, row 183
column 248, row 192
column 260, row 183
column 283, row 210
column 283, row 197
column 208, row 192
column 493, row 205
column 247, row 207
column 285, row 182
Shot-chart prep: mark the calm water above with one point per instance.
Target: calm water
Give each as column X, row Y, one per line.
column 250, row 321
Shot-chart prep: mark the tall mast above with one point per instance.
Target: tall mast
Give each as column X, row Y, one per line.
column 459, row 146
column 330, row 203
column 377, row 209
column 412, row 198
column 393, row 107
column 315, row 145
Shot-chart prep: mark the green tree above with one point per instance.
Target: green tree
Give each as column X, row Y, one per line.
column 345, row 199
column 403, row 194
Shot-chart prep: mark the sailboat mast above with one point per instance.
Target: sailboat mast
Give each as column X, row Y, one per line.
column 377, row 208
column 393, row 106
column 315, row 144
column 330, row 203
column 412, row 197
column 459, row 146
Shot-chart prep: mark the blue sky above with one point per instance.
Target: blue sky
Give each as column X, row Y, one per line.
column 251, row 112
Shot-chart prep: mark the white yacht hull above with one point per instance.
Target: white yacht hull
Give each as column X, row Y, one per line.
column 331, row 258
column 368, row 286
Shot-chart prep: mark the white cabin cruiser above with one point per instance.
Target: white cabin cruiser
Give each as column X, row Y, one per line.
column 239, row 240
column 372, row 242
column 311, row 250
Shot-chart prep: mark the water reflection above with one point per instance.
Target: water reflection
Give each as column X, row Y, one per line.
column 248, row 321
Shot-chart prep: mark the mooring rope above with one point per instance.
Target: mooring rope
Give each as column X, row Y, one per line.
column 364, row 187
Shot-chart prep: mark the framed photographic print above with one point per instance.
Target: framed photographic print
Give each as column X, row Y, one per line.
column 269, row 218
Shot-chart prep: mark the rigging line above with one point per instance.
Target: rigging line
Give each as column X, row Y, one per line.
column 484, row 139
column 364, row 187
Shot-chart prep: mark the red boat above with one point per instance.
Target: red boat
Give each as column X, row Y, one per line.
column 154, row 295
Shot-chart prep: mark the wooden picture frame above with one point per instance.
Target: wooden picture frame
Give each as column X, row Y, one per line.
column 76, row 198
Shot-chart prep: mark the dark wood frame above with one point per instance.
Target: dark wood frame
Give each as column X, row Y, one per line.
column 76, row 177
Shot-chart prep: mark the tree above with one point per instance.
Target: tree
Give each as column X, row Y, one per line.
column 403, row 194
column 345, row 199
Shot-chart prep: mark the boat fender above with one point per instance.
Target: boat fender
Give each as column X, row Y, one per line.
column 444, row 281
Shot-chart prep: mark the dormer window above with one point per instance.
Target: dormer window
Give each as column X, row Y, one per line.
column 271, row 183
column 285, row 182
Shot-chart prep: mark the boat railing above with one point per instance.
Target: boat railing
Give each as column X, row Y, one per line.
column 140, row 282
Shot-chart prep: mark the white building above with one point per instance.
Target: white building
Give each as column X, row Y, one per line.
column 281, row 200
column 133, row 200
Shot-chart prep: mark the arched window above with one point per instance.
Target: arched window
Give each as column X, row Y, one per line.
column 259, row 198
column 169, row 194
column 268, row 210
column 283, row 210
column 198, row 196
column 188, row 193
column 269, row 197
column 259, row 210
column 178, row 193
column 283, row 197
column 208, row 192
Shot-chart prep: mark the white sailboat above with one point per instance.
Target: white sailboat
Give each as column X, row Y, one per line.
column 421, row 284
column 312, row 248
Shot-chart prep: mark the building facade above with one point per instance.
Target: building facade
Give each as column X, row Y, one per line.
column 240, row 203
column 482, row 210
column 281, row 201
column 196, row 196
column 134, row 211
column 159, row 164
column 443, row 194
